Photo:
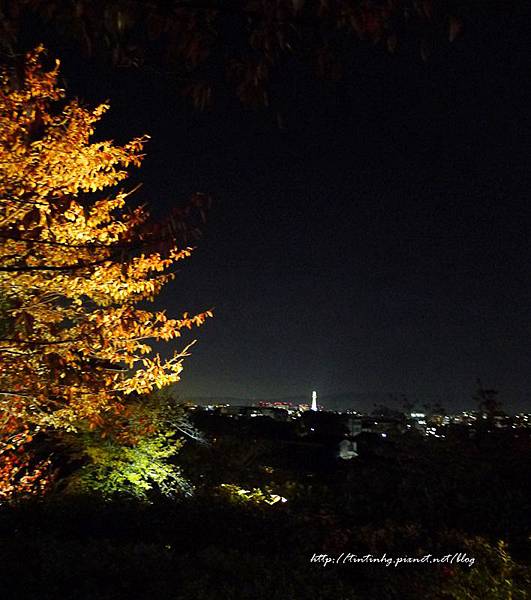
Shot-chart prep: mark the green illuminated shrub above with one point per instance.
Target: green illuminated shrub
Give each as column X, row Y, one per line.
column 136, row 462
column 136, row 471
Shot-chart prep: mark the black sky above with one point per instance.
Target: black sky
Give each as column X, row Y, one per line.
column 379, row 243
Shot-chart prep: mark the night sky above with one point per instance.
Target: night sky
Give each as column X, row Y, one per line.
column 376, row 244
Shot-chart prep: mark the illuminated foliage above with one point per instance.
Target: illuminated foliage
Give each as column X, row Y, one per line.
column 75, row 262
column 118, row 469
column 257, row 496
column 134, row 456
column 20, row 474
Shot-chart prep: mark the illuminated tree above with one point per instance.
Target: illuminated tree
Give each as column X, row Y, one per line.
column 77, row 266
column 135, row 458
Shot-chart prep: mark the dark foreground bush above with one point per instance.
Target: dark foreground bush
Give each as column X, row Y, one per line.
column 212, row 549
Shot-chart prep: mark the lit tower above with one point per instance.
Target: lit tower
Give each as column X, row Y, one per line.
column 314, row 400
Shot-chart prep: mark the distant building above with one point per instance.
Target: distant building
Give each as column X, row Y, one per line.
column 314, row 401
column 289, row 407
column 347, row 449
column 382, row 425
